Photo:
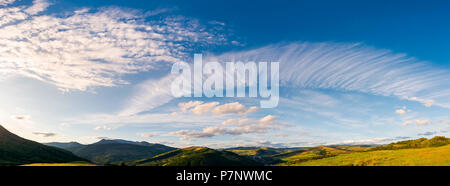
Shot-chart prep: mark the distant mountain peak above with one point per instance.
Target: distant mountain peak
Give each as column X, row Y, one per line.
column 121, row 141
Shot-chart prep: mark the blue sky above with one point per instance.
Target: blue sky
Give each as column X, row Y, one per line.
column 352, row 72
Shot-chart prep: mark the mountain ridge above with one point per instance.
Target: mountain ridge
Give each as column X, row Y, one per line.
column 15, row 150
column 115, row 151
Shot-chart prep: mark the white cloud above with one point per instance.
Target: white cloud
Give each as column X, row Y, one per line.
column 400, row 111
column 204, row 108
column 426, row 102
column 44, row 134
column 169, row 119
column 236, row 121
column 148, row 95
column 38, row 6
column 6, row 2
column 243, row 126
column 233, row 108
column 104, row 127
column 148, row 135
column 89, row 48
column 184, row 106
column 418, row 122
column 199, row 107
column 423, row 122
column 351, row 67
column 367, row 141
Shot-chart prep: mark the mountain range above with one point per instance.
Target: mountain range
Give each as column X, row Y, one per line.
column 113, row 151
column 15, row 150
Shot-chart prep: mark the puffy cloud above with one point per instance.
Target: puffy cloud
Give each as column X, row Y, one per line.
column 204, row 108
column 400, row 111
column 11, row 14
column 88, row 48
column 234, row 108
column 244, row 126
column 184, row 106
column 38, row 6
column 43, row 134
column 199, row 107
column 267, row 119
column 104, row 127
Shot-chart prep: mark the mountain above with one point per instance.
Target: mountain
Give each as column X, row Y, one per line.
column 70, row 145
column 196, row 156
column 15, row 150
column 116, row 151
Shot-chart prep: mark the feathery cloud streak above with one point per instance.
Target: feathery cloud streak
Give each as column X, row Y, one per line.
column 90, row 48
column 352, row 67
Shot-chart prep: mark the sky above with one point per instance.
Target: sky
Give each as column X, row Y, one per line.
column 351, row 72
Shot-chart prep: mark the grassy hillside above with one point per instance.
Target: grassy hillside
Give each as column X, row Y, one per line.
column 15, row 150
column 196, row 156
column 404, row 157
column 435, row 151
column 308, row 154
column 258, row 151
column 417, row 143
column 73, row 164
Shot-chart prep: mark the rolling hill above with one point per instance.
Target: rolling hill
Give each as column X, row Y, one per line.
column 257, row 151
column 116, row 151
column 419, row 152
column 196, row 156
column 262, row 155
column 15, row 150
column 308, row 154
column 431, row 156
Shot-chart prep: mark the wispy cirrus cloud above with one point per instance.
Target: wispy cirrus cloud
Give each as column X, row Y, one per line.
column 422, row 122
column 352, row 67
column 90, row 47
column 348, row 67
